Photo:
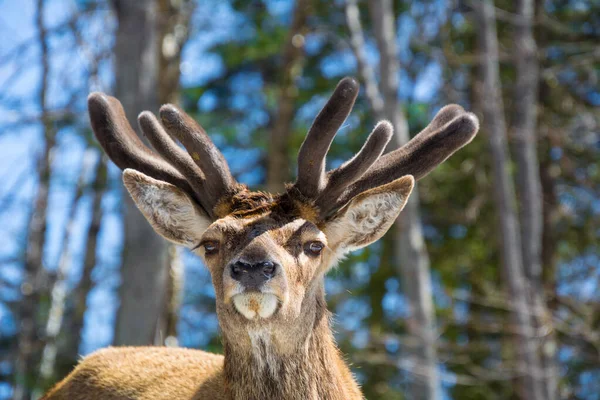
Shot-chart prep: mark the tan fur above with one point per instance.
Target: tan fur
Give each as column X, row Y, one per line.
column 144, row 373
column 277, row 342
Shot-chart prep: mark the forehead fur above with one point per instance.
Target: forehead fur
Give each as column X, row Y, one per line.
column 281, row 207
column 280, row 227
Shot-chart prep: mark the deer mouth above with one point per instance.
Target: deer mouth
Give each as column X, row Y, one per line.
column 253, row 305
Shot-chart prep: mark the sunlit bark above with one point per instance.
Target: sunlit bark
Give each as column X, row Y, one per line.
column 529, row 183
column 278, row 162
column 525, row 344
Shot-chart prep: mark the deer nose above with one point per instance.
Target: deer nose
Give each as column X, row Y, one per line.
column 252, row 276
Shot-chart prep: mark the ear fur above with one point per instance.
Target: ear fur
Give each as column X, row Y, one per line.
column 170, row 211
column 368, row 216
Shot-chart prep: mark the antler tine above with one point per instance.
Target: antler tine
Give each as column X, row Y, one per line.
column 311, row 158
column 175, row 155
column 340, row 178
column 123, row 146
column 420, row 155
column 218, row 180
column 432, row 146
column 445, row 115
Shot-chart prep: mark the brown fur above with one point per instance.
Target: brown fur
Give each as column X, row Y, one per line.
column 304, row 363
column 290, row 354
column 244, row 202
column 315, row 371
column 143, row 373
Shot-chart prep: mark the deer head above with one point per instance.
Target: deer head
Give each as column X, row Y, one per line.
column 268, row 253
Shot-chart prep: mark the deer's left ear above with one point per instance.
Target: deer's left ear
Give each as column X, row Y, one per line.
column 368, row 216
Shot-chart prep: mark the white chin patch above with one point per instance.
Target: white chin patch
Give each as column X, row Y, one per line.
column 252, row 304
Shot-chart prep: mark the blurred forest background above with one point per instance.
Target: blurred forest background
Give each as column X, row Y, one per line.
column 489, row 286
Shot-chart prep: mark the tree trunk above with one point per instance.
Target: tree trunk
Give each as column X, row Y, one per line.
column 29, row 345
column 525, row 118
column 173, row 32
column 529, row 182
column 145, row 262
column 81, row 292
column 526, row 351
column 357, row 42
column 412, row 257
column 168, row 334
column 278, row 162
column 58, row 294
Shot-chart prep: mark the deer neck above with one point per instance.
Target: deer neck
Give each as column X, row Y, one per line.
column 298, row 362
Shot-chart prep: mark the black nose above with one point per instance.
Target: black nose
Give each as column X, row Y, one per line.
column 252, row 276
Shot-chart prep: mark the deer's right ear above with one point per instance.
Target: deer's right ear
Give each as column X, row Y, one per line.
column 170, row 211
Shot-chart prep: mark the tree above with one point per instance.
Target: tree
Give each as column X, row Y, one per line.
column 145, row 260
column 63, row 322
column 413, row 263
column 79, row 297
column 29, row 344
column 528, row 364
column 147, row 55
column 292, row 56
column 529, row 182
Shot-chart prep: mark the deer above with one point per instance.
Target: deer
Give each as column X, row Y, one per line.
column 268, row 254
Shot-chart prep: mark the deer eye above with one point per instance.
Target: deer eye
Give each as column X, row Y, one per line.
column 210, row 247
column 314, row 248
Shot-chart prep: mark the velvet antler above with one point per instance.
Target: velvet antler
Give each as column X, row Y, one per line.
column 203, row 173
column 451, row 129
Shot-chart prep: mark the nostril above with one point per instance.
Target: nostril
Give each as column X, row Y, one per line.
column 252, row 276
column 268, row 268
column 238, row 269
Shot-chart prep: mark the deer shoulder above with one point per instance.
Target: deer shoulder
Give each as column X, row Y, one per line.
column 144, row 373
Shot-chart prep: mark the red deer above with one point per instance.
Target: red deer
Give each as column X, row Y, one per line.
column 267, row 253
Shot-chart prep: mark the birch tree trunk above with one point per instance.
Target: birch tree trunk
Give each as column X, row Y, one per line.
column 357, row 42
column 29, row 345
column 525, row 124
column 58, row 293
column 278, row 162
column 526, row 354
column 529, row 182
column 81, row 292
column 145, row 270
column 172, row 34
column 412, row 257
column 167, row 334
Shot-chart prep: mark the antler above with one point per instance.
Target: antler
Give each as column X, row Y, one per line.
column 202, row 172
column 451, row 129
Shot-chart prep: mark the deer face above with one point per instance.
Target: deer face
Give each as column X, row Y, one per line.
column 267, row 259
column 263, row 265
column 267, row 254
